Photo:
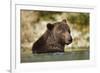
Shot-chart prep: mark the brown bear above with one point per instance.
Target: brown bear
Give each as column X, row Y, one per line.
column 54, row 39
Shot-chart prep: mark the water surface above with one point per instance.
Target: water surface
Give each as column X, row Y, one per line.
column 76, row 55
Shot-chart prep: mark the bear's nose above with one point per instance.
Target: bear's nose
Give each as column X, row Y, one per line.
column 70, row 40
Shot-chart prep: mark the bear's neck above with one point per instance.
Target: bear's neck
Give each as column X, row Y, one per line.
column 55, row 46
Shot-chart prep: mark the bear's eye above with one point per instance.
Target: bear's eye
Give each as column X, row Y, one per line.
column 65, row 30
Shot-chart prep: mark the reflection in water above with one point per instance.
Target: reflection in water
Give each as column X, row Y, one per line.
column 79, row 55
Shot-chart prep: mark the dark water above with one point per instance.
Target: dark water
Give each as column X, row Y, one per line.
column 68, row 56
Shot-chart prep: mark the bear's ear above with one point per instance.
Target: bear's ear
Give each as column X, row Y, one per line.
column 64, row 21
column 50, row 26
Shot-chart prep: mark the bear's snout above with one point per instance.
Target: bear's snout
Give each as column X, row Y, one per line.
column 70, row 40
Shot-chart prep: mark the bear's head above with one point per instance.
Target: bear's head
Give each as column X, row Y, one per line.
column 60, row 31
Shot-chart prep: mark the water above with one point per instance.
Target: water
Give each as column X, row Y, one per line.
column 68, row 56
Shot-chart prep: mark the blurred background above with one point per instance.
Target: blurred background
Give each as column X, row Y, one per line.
column 33, row 25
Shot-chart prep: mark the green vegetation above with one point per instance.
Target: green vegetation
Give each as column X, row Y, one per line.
column 80, row 19
column 47, row 15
